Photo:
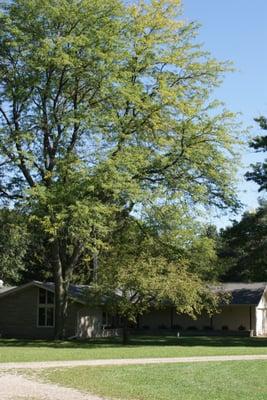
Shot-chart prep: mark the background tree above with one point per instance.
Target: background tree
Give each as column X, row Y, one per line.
column 259, row 173
column 243, row 248
column 105, row 110
column 14, row 241
column 23, row 248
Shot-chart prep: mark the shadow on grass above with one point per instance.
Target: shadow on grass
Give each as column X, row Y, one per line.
column 140, row 341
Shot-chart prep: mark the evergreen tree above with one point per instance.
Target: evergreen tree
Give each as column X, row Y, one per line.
column 243, row 248
column 259, row 173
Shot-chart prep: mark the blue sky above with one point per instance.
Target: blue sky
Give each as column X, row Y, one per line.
column 236, row 30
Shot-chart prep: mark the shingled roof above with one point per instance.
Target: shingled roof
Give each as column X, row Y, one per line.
column 4, row 289
column 243, row 293
column 76, row 292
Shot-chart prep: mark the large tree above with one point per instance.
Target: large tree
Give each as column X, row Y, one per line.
column 105, row 112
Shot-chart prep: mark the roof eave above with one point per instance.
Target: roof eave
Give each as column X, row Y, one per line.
column 36, row 284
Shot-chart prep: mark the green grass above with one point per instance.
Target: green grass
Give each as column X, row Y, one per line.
column 245, row 380
column 25, row 350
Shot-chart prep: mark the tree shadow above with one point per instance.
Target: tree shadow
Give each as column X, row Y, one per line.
column 140, row 341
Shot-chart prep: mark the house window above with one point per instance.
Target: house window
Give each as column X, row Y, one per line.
column 46, row 309
column 105, row 320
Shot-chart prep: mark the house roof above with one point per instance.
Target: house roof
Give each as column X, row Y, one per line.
column 4, row 289
column 76, row 292
column 243, row 293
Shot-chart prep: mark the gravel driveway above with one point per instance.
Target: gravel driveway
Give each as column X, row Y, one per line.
column 17, row 387
column 126, row 361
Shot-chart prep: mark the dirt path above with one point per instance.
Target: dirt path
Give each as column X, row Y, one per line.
column 126, row 361
column 17, row 387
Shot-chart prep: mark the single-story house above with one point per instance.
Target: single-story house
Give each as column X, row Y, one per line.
column 27, row 311
column 245, row 311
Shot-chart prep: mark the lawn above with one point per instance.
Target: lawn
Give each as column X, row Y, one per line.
column 245, row 380
column 170, row 346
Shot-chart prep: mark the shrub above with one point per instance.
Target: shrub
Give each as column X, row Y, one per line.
column 178, row 327
column 241, row 328
column 207, row 328
column 162, row 326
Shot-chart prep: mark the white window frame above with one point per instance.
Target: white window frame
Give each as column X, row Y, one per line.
column 45, row 306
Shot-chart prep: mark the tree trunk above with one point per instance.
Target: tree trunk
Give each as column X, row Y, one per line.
column 95, row 266
column 61, row 304
column 125, row 332
column 61, row 293
column 62, row 278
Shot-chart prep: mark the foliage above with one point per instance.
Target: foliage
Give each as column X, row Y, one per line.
column 14, row 240
column 105, row 112
column 259, row 173
column 243, row 248
column 151, row 268
column 23, row 248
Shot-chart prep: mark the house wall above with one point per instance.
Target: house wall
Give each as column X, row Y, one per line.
column 72, row 318
column 261, row 316
column 168, row 319
column 89, row 322
column 201, row 323
column 234, row 316
column 231, row 316
column 18, row 316
column 156, row 319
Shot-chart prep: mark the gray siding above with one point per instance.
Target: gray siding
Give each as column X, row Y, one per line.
column 72, row 318
column 18, row 316
column 234, row 316
column 89, row 322
column 231, row 316
column 169, row 319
